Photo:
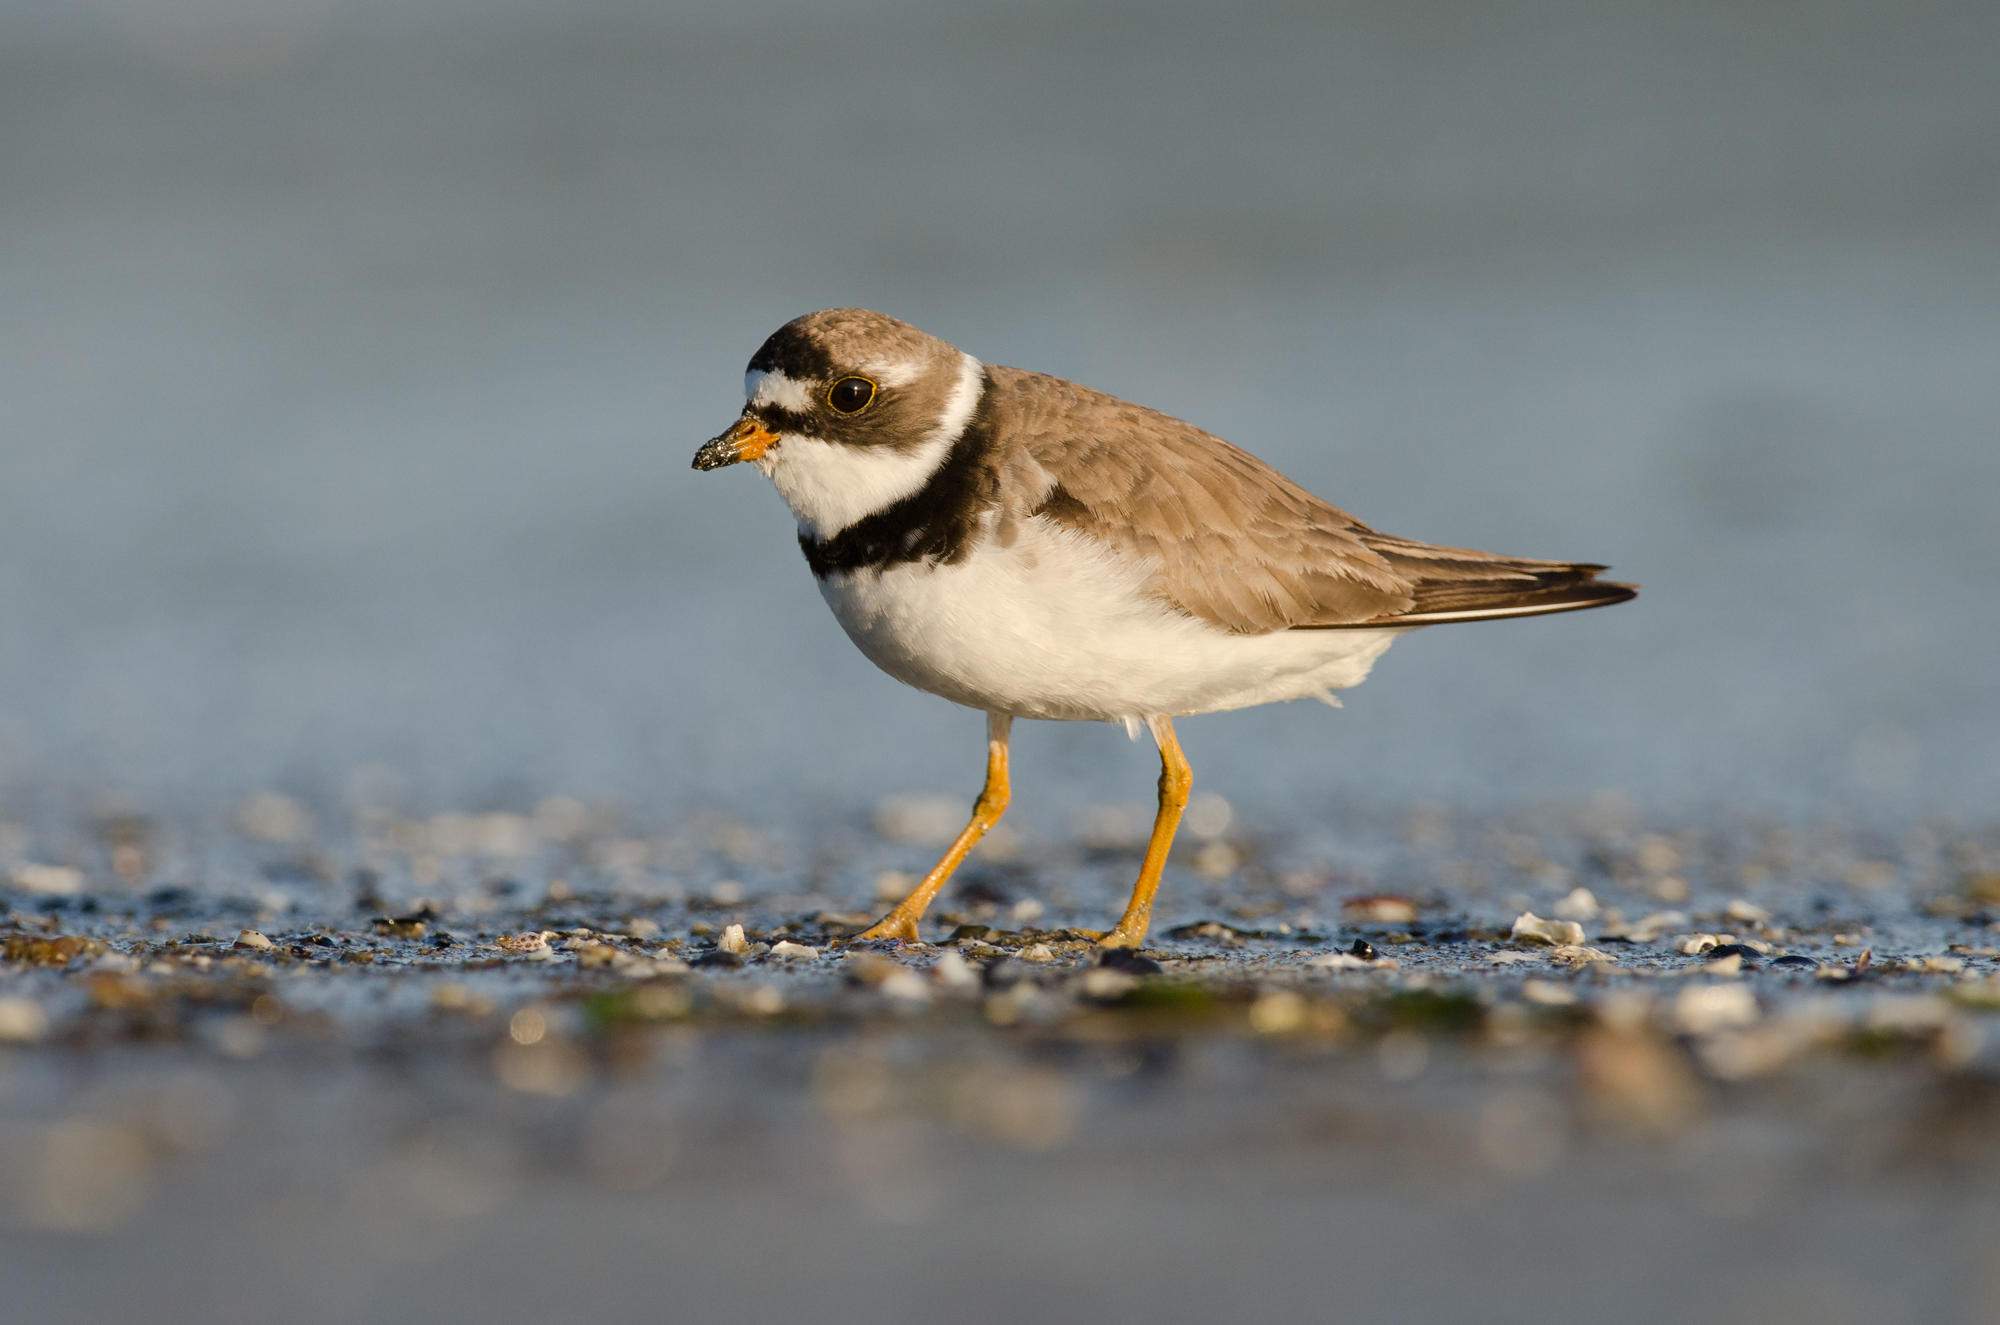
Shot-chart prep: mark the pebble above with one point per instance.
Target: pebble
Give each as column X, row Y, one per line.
column 732, row 940
column 1747, row 954
column 251, row 939
column 719, row 957
column 1575, row 954
column 532, row 941
column 763, row 1001
column 1363, row 949
column 58, row 951
column 1004, row 973
column 1130, row 961
column 1041, row 952
column 786, row 950
column 1383, row 909
column 1797, row 959
column 1909, row 1014
column 1277, row 1012
column 593, row 956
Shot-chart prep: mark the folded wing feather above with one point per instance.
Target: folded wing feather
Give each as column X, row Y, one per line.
column 1230, row 540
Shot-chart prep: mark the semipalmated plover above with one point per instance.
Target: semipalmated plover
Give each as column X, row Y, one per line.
column 1035, row 549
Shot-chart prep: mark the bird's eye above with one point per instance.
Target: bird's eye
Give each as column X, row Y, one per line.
column 850, row 395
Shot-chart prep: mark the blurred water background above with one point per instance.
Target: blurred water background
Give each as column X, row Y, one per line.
column 352, row 354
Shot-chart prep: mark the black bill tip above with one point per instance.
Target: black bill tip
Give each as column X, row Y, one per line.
column 717, row 452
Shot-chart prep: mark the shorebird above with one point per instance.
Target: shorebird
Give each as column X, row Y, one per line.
column 1031, row 548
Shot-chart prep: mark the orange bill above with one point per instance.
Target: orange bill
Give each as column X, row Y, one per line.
column 747, row 440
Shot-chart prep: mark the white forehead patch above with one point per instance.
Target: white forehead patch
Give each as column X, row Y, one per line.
column 762, row 388
column 895, row 373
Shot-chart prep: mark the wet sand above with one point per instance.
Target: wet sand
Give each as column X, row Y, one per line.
column 572, row 1077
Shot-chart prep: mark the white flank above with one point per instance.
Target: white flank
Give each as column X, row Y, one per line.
column 1057, row 626
column 830, row 485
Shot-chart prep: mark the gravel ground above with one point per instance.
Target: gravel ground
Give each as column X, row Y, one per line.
column 495, row 1065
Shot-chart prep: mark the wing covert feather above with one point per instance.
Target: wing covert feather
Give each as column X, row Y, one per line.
column 1230, row 540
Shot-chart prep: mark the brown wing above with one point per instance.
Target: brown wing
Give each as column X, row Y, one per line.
column 1233, row 541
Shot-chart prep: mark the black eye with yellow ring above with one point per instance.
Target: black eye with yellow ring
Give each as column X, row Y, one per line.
column 850, row 395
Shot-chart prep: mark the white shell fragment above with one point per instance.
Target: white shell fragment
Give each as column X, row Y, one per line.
column 46, row 880
column 952, row 971
column 732, row 940
column 1276, row 1012
column 786, row 950
column 1547, row 994
column 1347, row 961
column 1531, row 928
column 905, row 986
column 1581, row 904
column 22, row 1020
column 1102, row 982
column 1704, row 1008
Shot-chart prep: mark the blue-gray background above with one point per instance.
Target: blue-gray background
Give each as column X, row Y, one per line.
column 352, row 353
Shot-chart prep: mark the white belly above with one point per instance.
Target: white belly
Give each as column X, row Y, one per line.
column 1055, row 627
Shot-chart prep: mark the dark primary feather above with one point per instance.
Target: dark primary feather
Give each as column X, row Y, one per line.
column 1453, row 584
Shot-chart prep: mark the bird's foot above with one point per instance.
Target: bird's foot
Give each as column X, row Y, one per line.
column 1122, row 938
column 898, row 924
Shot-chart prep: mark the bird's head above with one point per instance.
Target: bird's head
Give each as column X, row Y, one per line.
column 848, row 411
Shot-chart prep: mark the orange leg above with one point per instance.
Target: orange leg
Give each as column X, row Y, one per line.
column 901, row 923
column 1175, row 780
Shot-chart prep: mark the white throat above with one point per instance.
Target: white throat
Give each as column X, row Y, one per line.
column 830, row 486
